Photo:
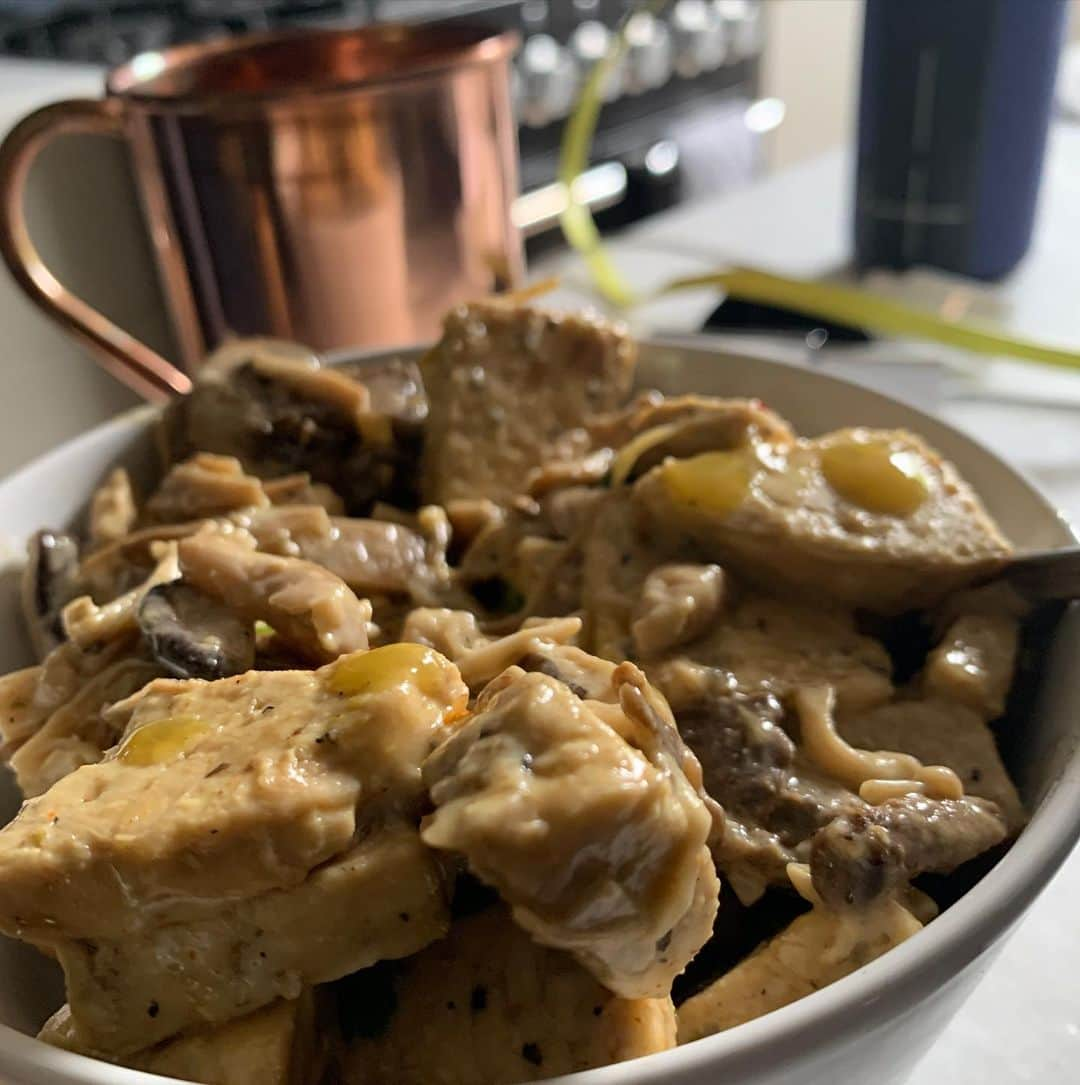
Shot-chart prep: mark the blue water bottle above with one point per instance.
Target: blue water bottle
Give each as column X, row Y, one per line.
column 954, row 104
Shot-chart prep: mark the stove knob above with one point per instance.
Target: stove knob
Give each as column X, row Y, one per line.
column 744, row 26
column 648, row 53
column 549, row 81
column 590, row 43
column 700, row 36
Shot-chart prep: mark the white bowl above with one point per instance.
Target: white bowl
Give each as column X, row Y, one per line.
column 871, row 1026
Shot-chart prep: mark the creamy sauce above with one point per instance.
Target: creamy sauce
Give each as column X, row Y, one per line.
column 855, row 767
column 630, row 453
column 484, row 661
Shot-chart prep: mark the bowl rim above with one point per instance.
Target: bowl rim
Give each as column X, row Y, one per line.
column 858, row 1003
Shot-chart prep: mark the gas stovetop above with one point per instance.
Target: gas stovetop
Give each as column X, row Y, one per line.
column 109, row 32
column 673, row 113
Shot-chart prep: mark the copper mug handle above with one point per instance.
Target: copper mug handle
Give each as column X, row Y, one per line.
column 118, row 353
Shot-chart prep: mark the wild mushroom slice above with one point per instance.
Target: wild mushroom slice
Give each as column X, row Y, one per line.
column 194, row 636
column 48, row 582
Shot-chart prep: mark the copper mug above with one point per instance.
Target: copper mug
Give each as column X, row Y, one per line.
column 337, row 188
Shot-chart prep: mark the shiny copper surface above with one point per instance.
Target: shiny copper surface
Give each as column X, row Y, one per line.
column 337, row 188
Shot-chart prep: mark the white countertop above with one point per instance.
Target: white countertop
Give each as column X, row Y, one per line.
column 1022, row 1025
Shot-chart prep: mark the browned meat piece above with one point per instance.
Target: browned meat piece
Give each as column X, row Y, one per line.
column 509, row 389
column 50, row 579
column 941, row 733
column 488, row 1006
column 112, row 509
column 858, row 858
column 279, row 417
column 746, row 756
column 868, row 518
column 588, row 818
column 773, row 801
column 203, row 486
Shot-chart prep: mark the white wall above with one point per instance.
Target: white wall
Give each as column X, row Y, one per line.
column 811, row 63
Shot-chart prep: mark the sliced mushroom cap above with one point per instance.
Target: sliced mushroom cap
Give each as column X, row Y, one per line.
column 194, row 636
column 49, row 581
column 725, row 425
column 279, row 417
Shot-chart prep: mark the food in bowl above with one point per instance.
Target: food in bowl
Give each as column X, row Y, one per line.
column 443, row 723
